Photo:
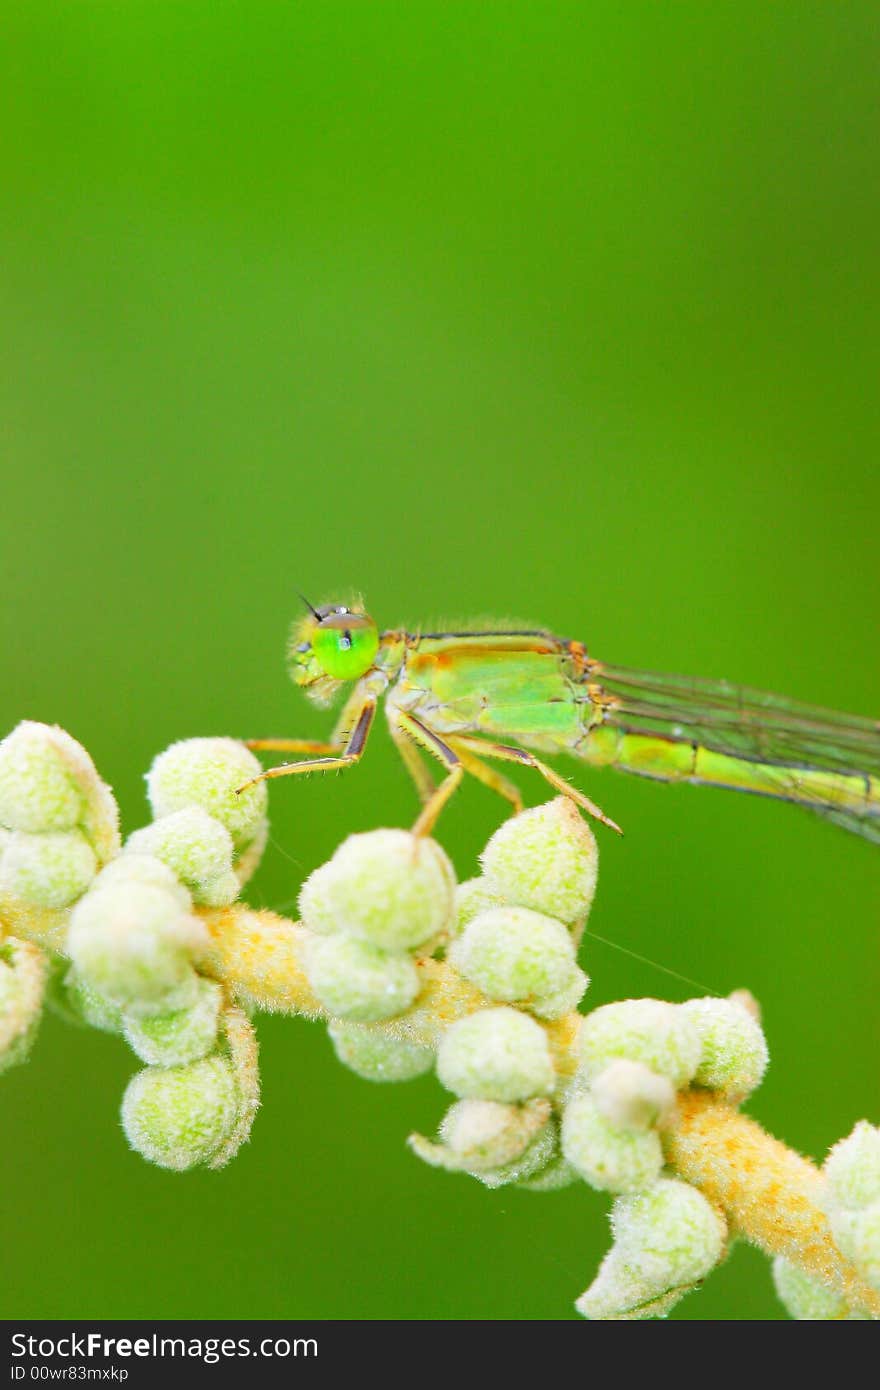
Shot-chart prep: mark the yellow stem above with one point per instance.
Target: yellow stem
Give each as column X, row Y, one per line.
column 769, row 1193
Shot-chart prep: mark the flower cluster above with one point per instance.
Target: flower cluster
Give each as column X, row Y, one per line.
column 413, row 972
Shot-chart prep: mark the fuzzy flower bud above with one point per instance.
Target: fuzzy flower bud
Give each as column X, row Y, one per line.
column 48, row 782
column 650, row 1031
column 496, row 1054
column 514, row 954
column 865, row 1243
column 49, row 869
column 178, row 1117
column 23, row 976
column 173, row 1039
column 387, row 887
column 133, row 943
column 628, row 1095
column 563, row 1000
column 472, row 897
column 611, row 1159
column 373, row 1055
column 207, row 772
column 356, row 980
column 665, row 1240
column 545, row 859
column 198, row 849
column 804, row 1298
column 733, row 1050
column 852, row 1168
column 81, row 1004
column 499, row 1144
column 555, row 1175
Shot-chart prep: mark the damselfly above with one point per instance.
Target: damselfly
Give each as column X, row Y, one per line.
column 473, row 698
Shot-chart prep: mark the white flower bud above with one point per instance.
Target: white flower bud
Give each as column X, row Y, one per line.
column 49, row 869
column 178, row 1117
column 173, row 1039
column 514, row 954
column 804, row 1298
column 356, row 980
column 134, row 945
column 608, row 1158
column 852, row 1168
column 373, row 1055
column 659, row 1035
column 496, row 1054
column 628, row 1095
column 472, row 897
column 198, row 849
column 207, row 772
column 388, row 887
column 733, row 1050
column 666, row 1239
column 545, row 859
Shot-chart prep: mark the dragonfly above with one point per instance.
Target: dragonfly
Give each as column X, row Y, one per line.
column 475, row 698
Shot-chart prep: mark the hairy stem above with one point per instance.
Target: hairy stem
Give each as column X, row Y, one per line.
column 769, row 1193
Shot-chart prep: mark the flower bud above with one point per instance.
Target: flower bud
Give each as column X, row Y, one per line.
column 565, row 999
column 23, row 977
column 496, row 1054
column 733, row 1051
column 665, row 1240
column 611, row 1159
column 134, row 945
column 207, row 772
column 387, row 887
column 545, row 859
column 37, row 789
column 198, row 849
column 373, row 1055
column 650, row 1031
column 144, row 868
column 514, row 954
column 498, row 1144
column 866, row 1243
column 178, row 1117
column 555, row 1175
column 48, row 782
column 628, row 1095
column 356, row 980
column 49, row 869
column 471, row 898
column 804, row 1298
column 173, row 1039
column 81, row 1004
column 852, row 1168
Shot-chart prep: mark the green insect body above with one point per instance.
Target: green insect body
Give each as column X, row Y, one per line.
column 474, row 699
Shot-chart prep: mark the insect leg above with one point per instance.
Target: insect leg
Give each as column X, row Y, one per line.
column 351, row 753
column 488, row 776
column 412, row 761
column 444, row 754
column 506, row 753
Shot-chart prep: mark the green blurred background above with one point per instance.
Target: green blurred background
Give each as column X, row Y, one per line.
column 557, row 311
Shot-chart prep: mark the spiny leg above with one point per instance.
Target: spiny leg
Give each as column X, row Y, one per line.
column 425, row 785
column 444, row 754
column 506, row 753
column 350, row 754
column 488, row 776
column 334, row 746
column 293, row 745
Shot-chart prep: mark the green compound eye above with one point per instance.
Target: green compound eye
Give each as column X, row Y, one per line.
column 345, row 644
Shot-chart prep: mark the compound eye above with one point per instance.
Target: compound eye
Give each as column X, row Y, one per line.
column 345, row 644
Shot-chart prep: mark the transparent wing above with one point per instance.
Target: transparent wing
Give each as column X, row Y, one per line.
column 745, row 723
